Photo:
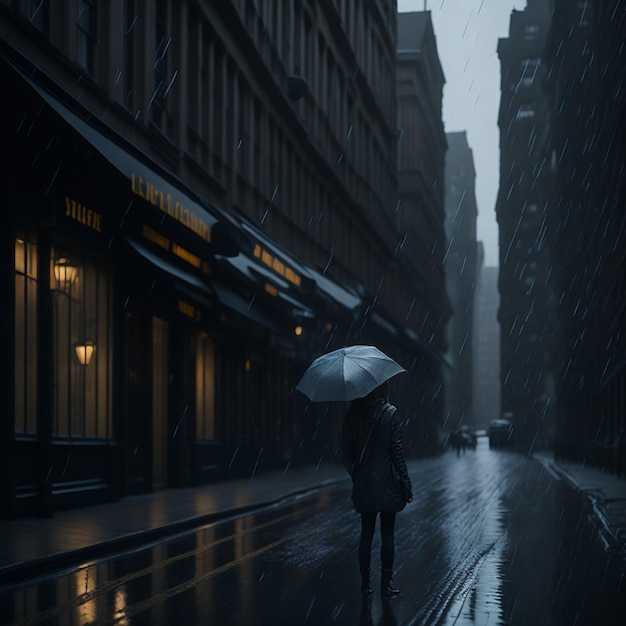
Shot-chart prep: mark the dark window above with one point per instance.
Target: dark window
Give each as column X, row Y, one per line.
column 162, row 80
column 86, row 35
column 529, row 71
column 583, row 9
column 37, row 12
column 130, row 43
column 526, row 111
column 531, row 31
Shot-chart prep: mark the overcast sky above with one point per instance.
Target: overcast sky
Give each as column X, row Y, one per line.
column 467, row 34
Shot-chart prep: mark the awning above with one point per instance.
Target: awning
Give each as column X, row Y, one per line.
column 245, row 308
column 145, row 179
column 334, row 291
column 205, row 293
column 258, row 276
column 169, row 268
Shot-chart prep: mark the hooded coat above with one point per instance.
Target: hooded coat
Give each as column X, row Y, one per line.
column 381, row 481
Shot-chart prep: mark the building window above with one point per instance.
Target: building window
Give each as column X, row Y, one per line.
column 130, row 46
column 82, row 339
column 86, row 35
column 531, row 31
column 529, row 71
column 583, row 9
column 526, row 110
column 163, row 82
column 37, row 13
column 205, row 387
column 26, row 334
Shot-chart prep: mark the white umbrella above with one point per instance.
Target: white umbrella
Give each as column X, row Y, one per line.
column 346, row 374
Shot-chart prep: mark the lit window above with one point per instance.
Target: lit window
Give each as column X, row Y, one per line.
column 26, row 333
column 82, row 325
column 205, row 387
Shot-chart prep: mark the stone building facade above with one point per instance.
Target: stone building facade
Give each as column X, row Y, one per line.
column 202, row 198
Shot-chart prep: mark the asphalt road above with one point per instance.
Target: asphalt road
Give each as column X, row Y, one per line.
column 490, row 538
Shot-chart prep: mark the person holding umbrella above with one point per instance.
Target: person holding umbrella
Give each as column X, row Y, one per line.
column 371, row 443
column 372, row 446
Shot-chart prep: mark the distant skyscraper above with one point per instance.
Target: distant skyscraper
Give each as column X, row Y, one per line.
column 486, row 349
column 460, row 263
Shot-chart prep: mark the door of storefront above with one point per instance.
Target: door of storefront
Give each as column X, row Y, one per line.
column 160, row 376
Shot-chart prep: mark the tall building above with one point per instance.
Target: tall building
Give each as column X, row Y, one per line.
column 419, row 213
column 201, row 198
column 462, row 267
column 526, row 325
column 585, row 154
column 486, row 349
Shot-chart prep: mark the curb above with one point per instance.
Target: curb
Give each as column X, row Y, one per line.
column 16, row 573
column 594, row 501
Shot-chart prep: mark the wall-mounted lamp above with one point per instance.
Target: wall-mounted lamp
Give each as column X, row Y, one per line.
column 84, row 351
column 298, row 330
column 64, row 273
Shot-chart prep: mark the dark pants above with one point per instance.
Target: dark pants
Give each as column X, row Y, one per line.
column 368, row 525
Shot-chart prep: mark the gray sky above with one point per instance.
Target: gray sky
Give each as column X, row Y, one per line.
column 467, row 34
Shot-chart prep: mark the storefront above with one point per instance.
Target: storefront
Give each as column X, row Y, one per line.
column 115, row 334
column 154, row 340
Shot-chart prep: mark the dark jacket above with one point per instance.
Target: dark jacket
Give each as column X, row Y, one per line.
column 382, row 483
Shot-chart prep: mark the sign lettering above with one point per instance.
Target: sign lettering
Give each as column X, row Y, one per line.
column 164, row 202
column 189, row 310
column 275, row 264
column 80, row 213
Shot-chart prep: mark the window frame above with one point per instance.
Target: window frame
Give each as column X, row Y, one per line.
column 26, row 333
column 82, row 311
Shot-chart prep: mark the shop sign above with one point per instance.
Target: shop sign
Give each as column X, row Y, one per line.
column 176, row 249
column 275, row 264
column 189, row 310
column 82, row 214
column 163, row 200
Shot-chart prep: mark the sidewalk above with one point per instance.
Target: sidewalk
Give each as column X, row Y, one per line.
column 30, row 545
column 602, row 492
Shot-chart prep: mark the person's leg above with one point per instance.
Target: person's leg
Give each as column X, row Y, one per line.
column 368, row 524
column 387, row 552
column 387, row 545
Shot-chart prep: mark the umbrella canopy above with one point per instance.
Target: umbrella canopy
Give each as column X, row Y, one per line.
column 346, row 374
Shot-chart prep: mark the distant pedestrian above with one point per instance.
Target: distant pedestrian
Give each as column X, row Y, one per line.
column 372, row 446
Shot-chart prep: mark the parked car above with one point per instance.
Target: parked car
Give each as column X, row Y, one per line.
column 500, row 432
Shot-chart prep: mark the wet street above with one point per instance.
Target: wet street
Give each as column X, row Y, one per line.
column 490, row 538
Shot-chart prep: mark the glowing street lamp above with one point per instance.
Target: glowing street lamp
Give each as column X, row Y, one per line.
column 64, row 273
column 84, row 351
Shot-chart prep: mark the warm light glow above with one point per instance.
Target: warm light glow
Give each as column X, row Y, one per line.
column 84, row 352
column 64, row 273
column 298, row 330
